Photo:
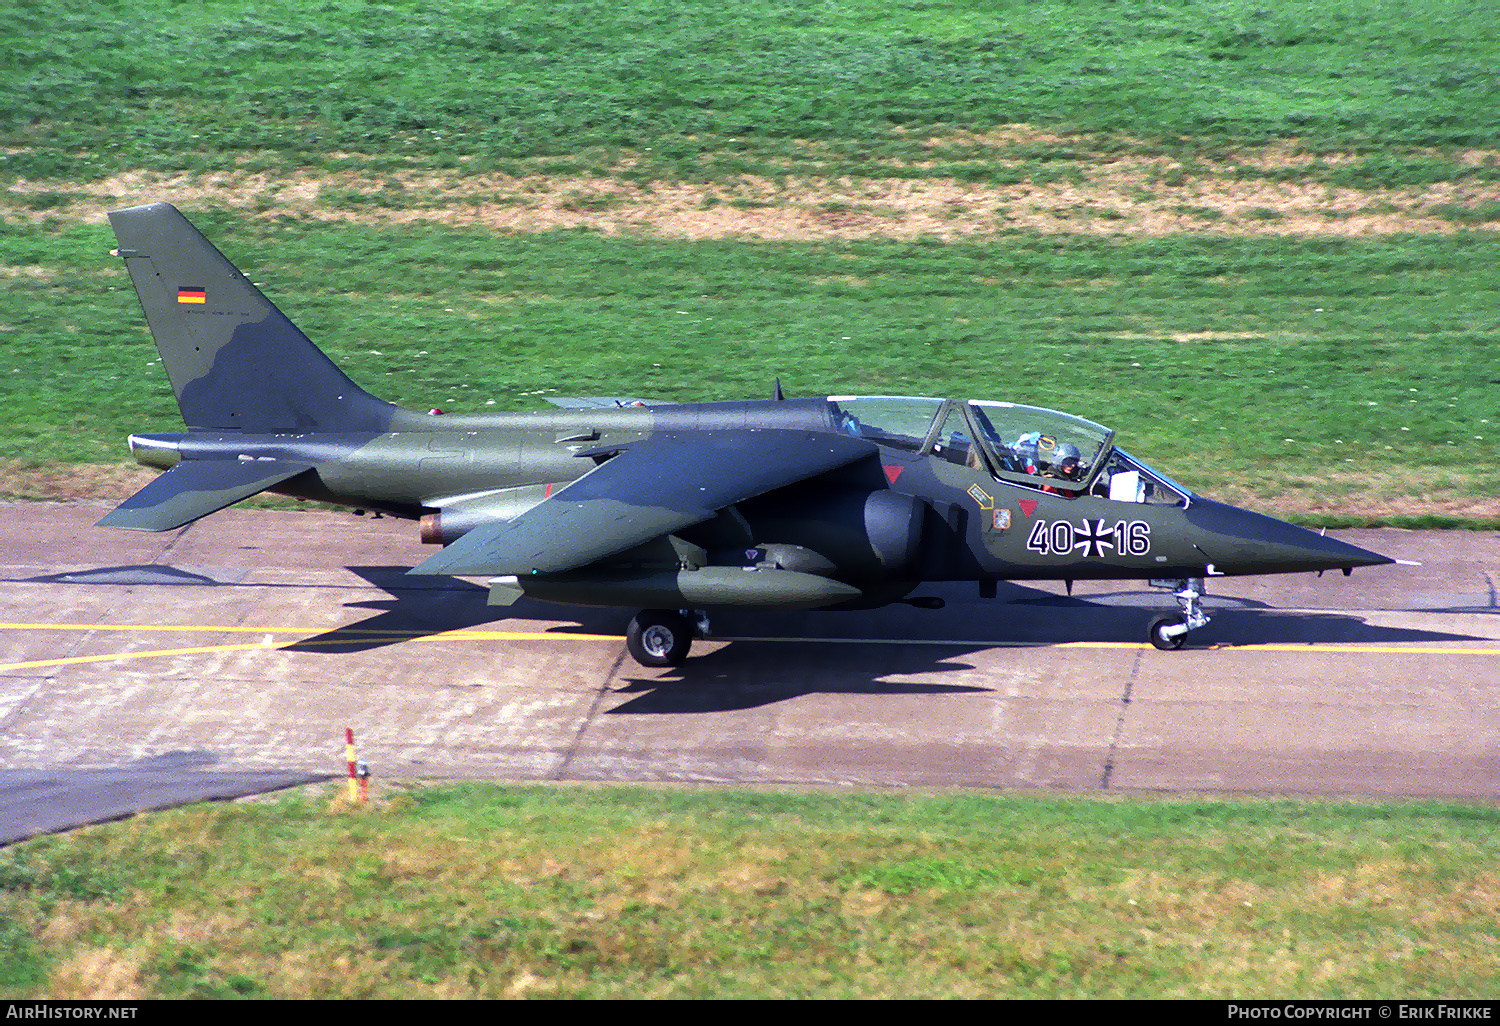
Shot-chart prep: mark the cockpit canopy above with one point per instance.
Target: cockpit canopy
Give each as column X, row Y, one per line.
column 1024, row 445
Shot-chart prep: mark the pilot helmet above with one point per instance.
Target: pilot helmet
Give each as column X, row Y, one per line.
column 1067, row 462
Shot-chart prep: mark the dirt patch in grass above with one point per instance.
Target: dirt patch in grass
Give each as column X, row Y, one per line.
column 98, row 974
column 76, row 482
column 1129, row 194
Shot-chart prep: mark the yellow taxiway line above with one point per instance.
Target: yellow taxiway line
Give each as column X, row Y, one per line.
column 37, row 664
column 165, row 628
column 1347, row 649
column 346, row 634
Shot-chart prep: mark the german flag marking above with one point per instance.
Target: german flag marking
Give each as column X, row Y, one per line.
column 192, row 296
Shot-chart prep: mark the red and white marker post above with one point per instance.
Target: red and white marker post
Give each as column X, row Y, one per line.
column 359, row 773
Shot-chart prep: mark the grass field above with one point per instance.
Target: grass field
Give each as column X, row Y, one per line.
column 149, row 84
column 484, row 891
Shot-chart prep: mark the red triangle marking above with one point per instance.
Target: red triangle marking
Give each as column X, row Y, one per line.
column 892, row 473
column 1028, row 506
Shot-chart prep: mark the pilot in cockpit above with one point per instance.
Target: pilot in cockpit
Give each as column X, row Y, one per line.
column 1066, row 465
column 1042, row 455
column 1023, row 455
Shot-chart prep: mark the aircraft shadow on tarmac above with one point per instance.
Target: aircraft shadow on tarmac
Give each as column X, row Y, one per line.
column 775, row 656
column 423, row 606
column 148, row 573
column 1019, row 616
column 725, row 680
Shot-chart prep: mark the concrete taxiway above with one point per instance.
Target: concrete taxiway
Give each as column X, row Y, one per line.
column 253, row 638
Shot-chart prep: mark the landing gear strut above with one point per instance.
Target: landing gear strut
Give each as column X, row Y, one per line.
column 1168, row 632
column 662, row 637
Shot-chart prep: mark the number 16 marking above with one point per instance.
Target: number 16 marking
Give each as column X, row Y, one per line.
column 1061, row 538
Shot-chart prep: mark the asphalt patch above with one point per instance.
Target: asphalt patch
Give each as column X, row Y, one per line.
column 45, row 801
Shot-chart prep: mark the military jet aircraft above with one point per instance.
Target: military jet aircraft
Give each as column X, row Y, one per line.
column 837, row 502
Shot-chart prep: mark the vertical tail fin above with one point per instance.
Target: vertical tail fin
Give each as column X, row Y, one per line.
column 235, row 361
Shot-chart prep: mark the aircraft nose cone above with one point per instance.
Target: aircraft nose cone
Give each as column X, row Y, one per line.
column 1238, row 541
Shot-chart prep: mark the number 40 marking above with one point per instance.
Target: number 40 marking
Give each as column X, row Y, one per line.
column 1061, row 538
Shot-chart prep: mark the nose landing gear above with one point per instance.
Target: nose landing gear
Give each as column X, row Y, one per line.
column 1169, row 632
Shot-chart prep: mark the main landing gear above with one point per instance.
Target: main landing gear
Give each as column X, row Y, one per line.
column 662, row 637
column 1168, row 632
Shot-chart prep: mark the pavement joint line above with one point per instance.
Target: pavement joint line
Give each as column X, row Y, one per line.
column 587, row 720
column 1114, row 741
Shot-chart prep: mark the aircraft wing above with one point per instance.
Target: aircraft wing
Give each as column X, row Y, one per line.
column 196, row 488
column 652, row 488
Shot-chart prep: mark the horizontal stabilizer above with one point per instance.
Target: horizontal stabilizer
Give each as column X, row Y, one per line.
column 196, row 488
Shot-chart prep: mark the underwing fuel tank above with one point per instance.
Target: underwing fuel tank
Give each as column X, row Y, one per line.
column 704, row 588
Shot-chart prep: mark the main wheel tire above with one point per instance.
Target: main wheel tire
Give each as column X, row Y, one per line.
column 659, row 637
column 1162, row 640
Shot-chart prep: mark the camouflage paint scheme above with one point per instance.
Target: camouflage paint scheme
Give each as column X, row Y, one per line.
column 837, row 502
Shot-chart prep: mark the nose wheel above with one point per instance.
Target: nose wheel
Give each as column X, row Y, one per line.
column 662, row 637
column 1169, row 632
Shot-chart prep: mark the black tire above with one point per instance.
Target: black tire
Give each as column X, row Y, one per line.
column 659, row 637
column 1163, row 641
